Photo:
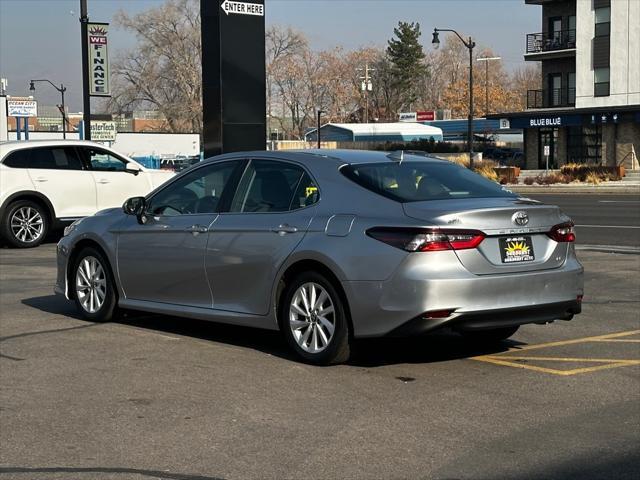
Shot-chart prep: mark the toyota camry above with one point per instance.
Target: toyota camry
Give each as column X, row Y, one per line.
column 327, row 246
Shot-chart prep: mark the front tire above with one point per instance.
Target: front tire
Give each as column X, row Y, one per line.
column 25, row 224
column 94, row 289
column 493, row 335
column 313, row 319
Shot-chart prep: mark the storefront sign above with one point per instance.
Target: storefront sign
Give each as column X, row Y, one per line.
column 424, row 116
column 99, row 84
column 103, row 131
column 22, row 107
column 546, row 122
column 242, row 8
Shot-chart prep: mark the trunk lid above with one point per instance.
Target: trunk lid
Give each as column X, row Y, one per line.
column 495, row 217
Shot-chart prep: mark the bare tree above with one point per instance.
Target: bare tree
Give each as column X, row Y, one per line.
column 163, row 72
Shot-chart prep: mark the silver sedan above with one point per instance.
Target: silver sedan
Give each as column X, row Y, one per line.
column 327, row 246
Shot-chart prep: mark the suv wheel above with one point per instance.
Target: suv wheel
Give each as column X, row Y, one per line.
column 25, row 224
column 313, row 320
column 94, row 290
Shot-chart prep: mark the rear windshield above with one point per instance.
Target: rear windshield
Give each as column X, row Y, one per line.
column 420, row 181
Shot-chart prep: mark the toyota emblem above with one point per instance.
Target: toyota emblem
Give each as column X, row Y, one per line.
column 520, row 218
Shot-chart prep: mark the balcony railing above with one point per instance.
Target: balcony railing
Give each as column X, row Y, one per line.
column 551, row 41
column 557, row 97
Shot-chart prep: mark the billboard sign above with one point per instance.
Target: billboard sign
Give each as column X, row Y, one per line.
column 22, row 107
column 428, row 116
column 103, row 131
column 99, row 84
column 424, row 116
column 408, row 117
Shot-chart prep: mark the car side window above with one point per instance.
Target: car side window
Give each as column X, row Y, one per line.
column 306, row 194
column 268, row 186
column 103, row 161
column 198, row 191
column 51, row 158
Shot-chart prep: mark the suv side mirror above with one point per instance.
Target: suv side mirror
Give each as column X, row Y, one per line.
column 134, row 206
column 133, row 171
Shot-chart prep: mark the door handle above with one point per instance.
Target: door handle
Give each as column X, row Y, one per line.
column 284, row 229
column 195, row 229
column 103, row 181
column 41, row 179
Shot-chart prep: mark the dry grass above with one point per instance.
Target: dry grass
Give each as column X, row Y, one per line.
column 593, row 178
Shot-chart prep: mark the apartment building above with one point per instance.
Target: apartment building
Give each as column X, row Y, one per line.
column 588, row 109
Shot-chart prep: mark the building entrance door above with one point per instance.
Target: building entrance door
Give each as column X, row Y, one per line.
column 548, row 137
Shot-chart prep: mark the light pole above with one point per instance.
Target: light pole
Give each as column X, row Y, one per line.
column 84, row 48
column 60, row 89
column 320, row 112
column 486, row 61
column 470, row 44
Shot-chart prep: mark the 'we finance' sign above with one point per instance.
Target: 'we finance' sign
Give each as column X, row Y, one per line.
column 99, row 84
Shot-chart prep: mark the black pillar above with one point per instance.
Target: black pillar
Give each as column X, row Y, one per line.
column 233, row 76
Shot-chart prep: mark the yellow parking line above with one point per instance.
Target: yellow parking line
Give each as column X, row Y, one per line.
column 575, row 340
column 621, row 340
column 572, row 359
column 509, row 360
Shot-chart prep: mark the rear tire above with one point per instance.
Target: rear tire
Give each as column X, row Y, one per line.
column 93, row 286
column 313, row 319
column 25, row 224
column 493, row 335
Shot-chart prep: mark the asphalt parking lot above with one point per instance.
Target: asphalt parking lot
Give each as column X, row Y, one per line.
column 170, row 398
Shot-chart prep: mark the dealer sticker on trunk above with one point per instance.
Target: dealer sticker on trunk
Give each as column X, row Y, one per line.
column 516, row 249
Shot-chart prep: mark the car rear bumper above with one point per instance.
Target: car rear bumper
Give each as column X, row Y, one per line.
column 490, row 319
column 475, row 301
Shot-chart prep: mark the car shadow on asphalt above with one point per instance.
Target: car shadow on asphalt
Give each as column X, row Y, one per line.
column 436, row 347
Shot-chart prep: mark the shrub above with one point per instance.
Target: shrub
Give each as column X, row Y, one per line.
column 529, row 180
column 428, row 146
column 588, row 173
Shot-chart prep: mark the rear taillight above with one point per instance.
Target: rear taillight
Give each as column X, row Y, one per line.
column 427, row 240
column 562, row 233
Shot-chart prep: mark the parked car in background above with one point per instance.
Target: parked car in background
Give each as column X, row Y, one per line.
column 328, row 245
column 45, row 184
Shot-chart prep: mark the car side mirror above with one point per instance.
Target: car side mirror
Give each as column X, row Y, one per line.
column 133, row 171
column 134, row 206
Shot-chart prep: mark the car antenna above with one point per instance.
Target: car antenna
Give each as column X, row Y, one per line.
column 397, row 156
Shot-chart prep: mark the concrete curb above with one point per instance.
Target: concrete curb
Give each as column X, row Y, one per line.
column 576, row 189
column 609, row 249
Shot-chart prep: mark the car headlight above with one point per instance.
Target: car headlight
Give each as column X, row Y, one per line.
column 70, row 228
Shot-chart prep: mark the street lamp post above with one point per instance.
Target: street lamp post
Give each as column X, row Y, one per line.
column 486, row 61
column 60, row 89
column 470, row 44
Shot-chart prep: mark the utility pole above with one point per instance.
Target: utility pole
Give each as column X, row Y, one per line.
column 86, row 98
column 486, row 61
column 320, row 112
column 366, row 86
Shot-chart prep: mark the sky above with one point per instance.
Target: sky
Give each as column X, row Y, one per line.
column 41, row 38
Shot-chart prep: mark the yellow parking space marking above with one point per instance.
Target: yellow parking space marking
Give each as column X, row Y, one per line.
column 508, row 359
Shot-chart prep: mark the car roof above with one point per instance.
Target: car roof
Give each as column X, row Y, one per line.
column 338, row 156
column 13, row 145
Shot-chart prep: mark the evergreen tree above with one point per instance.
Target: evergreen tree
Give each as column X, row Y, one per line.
column 407, row 57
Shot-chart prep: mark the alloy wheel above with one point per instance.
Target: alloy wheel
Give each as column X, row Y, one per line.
column 312, row 317
column 27, row 224
column 91, row 284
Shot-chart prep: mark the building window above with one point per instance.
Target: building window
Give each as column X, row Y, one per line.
column 601, row 82
column 603, row 21
column 584, row 144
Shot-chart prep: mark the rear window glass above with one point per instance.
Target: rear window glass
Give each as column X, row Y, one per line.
column 420, row 181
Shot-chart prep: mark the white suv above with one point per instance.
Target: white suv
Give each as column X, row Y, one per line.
column 45, row 184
